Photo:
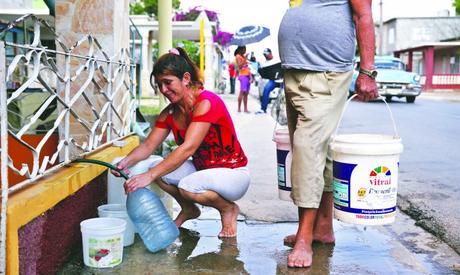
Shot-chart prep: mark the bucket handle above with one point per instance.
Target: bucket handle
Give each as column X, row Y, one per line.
column 346, row 105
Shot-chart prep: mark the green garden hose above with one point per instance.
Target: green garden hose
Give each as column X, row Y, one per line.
column 103, row 163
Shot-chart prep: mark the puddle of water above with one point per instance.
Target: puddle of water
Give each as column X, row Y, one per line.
column 259, row 249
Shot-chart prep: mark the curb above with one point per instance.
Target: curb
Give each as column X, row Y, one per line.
column 426, row 221
column 446, row 96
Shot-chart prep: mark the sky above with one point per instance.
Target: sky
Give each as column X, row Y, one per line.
column 234, row 14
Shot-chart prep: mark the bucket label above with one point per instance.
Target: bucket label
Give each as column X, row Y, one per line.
column 105, row 252
column 284, row 165
column 367, row 190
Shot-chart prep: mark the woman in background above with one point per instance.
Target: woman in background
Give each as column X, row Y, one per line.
column 244, row 76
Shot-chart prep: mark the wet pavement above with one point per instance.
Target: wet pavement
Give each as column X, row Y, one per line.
column 399, row 248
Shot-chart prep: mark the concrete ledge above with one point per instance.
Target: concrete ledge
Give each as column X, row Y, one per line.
column 31, row 202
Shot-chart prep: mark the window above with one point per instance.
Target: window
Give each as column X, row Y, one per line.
column 454, row 63
column 391, row 36
column 390, row 64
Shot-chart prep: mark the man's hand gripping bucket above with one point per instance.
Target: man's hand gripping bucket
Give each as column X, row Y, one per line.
column 365, row 175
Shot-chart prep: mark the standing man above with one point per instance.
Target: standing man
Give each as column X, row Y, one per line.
column 270, row 84
column 317, row 46
column 232, row 75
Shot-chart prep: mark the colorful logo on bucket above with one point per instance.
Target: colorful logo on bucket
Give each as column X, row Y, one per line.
column 380, row 176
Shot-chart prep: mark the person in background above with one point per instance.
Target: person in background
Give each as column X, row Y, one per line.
column 244, row 76
column 316, row 40
column 254, row 68
column 232, row 76
column 216, row 175
column 270, row 84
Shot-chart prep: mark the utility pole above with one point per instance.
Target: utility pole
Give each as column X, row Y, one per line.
column 164, row 34
column 381, row 28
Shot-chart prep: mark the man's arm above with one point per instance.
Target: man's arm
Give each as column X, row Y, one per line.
column 366, row 88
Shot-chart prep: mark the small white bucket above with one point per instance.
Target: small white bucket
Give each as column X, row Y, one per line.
column 283, row 159
column 119, row 211
column 365, row 176
column 102, row 241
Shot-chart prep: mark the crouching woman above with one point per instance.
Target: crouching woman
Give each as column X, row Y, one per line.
column 216, row 175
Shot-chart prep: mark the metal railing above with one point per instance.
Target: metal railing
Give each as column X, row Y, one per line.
column 90, row 95
column 135, row 41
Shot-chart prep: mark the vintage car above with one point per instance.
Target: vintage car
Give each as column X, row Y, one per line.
column 392, row 79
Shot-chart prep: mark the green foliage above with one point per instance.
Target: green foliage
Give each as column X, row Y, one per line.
column 167, row 147
column 456, row 4
column 137, row 8
column 191, row 47
column 149, row 110
column 149, row 7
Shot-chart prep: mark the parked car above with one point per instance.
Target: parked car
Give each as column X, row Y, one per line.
column 392, row 79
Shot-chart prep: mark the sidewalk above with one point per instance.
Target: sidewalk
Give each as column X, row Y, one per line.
column 449, row 95
column 399, row 248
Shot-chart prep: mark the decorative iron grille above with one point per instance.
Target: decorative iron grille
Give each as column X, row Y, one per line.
column 90, row 97
column 79, row 96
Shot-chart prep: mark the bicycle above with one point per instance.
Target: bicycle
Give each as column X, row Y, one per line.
column 278, row 109
column 274, row 72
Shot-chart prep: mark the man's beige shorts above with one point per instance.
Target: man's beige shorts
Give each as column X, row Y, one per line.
column 314, row 103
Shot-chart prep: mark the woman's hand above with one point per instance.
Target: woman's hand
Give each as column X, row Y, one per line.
column 123, row 166
column 138, row 181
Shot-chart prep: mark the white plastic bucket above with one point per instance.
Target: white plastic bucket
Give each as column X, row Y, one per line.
column 283, row 159
column 115, row 190
column 102, row 241
column 365, row 177
column 119, row 211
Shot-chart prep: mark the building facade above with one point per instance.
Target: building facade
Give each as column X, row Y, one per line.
column 430, row 46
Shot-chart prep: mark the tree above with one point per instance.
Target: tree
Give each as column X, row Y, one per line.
column 456, row 4
column 191, row 47
column 137, row 8
column 149, row 7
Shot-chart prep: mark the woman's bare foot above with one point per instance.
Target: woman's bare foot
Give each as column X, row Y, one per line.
column 191, row 212
column 301, row 255
column 229, row 220
column 289, row 240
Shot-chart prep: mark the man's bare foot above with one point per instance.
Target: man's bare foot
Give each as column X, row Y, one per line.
column 301, row 255
column 189, row 213
column 327, row 239
column 324, row 238
column 229, row 219
column 247, row 111
column 289, row 240
column 239, row 111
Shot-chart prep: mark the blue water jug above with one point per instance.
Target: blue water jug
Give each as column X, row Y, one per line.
column 153, row 223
